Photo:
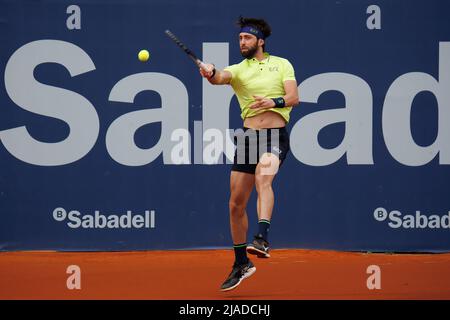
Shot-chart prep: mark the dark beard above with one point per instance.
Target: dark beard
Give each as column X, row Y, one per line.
column 250, row 52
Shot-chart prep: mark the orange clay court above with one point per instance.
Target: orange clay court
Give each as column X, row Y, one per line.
column 191, row 275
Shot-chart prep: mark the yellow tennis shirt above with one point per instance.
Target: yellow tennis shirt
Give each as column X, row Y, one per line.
column 261, row 78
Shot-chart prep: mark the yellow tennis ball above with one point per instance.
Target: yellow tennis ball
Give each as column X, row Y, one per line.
column 143, row 55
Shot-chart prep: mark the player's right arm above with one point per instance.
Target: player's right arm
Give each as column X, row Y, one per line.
column 218, row 77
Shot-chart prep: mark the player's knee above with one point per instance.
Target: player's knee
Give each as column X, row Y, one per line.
column 262, row 182
column 237, row 207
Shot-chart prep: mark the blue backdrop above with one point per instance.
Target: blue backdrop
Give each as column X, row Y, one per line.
column 387, row 65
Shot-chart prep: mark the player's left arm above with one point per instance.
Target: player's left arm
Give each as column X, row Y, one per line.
column 291, row 96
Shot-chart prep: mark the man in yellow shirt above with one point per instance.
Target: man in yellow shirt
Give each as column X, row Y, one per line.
column 266, row 89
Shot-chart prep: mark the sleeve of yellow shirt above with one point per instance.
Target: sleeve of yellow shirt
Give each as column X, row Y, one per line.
column 233, row 69
column 288, row 71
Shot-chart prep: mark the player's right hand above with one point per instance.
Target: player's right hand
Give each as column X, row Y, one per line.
column 208, row 73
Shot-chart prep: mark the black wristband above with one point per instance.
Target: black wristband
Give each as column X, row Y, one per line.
column 213, row 73
column 279, row 102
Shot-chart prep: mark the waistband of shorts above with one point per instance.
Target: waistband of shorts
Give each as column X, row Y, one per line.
column 280, row 129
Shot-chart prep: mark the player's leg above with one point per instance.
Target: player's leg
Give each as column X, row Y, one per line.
column 266, row 196
column 258, row 210
column 241, row 186
column 266, row 170
column 263, row 180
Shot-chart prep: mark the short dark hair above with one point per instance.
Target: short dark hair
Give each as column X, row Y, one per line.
column 260, row 24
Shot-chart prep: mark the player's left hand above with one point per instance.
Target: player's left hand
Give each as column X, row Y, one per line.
column 262, row 103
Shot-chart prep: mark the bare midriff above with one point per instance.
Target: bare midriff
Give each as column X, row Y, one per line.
column 265, row 120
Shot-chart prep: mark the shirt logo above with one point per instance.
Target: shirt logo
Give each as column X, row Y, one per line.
column 272, row 69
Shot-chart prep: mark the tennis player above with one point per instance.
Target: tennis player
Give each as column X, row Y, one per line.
column 266, row 89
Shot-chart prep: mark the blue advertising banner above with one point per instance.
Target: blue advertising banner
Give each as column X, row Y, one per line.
column 101, row 151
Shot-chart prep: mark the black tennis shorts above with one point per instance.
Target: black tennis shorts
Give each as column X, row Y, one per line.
column 251, row 144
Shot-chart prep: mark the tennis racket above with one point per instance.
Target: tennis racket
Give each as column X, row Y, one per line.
column 190, row 54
